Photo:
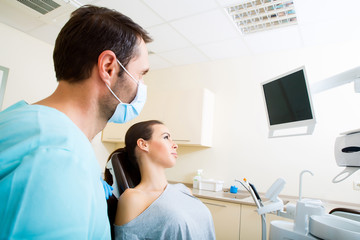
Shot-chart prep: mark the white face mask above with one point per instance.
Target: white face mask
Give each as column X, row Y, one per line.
column 127, row 111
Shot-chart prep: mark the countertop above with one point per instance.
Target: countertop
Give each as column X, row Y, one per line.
column 243, row 197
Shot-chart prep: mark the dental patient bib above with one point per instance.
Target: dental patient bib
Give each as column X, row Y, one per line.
column 176, row 214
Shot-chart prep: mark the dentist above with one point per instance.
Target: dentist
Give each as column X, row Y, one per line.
column 49, row 175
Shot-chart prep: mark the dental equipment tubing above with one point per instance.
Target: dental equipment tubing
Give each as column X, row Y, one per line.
column 274, row 204
column 254, row 194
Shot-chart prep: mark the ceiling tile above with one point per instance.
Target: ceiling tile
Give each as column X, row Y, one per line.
column 175, row 9
column 135, row 9
column 274, row 40
column 157, row 62
column 309, row 11
column 47, row 32
column 84, row 2
column 61, row 20
column 226, row 3
column 18, row 17
column 225, row 49
column 207, row 27
column 184, row 56
column 188, row 31
column 165, row 39
column 329, row 32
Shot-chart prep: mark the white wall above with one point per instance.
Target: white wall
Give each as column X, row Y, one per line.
column 31, row 76
column 241, row 147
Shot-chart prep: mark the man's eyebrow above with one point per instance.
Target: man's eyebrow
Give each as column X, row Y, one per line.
column 145, row 71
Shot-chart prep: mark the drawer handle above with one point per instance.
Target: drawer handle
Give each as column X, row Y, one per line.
column 181, row 140
column 214, row 204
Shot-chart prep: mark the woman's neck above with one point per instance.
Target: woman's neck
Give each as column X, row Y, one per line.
column 153, row 177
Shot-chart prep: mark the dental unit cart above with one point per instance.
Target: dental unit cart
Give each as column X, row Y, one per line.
column 310, row 219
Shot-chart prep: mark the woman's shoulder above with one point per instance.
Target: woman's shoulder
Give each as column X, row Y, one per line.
column 130, row 194
column 130, row 204
column 132, row 198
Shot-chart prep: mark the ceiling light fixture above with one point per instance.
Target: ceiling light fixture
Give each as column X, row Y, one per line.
column 258, row 15
column 40, row 6
column 46, row 6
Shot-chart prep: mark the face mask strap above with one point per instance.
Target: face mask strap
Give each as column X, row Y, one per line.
column 137, row 82
column 113, row 93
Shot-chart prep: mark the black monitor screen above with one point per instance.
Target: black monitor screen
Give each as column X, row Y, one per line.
column 287, row 99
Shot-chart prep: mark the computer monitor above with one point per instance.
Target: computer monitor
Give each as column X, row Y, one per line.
column 288, row 103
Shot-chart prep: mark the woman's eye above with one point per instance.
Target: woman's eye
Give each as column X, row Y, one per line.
column 166, row 137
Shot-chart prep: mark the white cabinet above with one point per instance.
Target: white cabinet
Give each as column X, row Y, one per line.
column 188, row 115
column 226, row 218
column 115, row 133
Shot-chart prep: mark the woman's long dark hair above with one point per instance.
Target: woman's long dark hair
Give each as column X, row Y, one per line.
column 127, row 156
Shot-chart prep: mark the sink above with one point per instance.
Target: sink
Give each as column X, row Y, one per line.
column 334, row 227
column 239, row 195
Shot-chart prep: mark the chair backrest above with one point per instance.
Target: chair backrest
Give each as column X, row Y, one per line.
column 123, row 175
column 119, row 177
column 123, row 178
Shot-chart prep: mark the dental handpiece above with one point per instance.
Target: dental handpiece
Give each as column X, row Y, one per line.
column 256, row 193
column 248, row 187
column 242, row 184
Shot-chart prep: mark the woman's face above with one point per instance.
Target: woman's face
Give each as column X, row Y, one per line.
column 161, row 147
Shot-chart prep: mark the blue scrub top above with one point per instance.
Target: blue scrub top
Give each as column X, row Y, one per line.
column 49, row 177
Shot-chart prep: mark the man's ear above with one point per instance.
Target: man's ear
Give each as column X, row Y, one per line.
column 143, row 145
column 107, row 66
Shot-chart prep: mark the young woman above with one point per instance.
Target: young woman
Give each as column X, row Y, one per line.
column 155, row 209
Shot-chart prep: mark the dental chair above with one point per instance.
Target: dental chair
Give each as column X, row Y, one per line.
column 352, row 214
column 120, row 175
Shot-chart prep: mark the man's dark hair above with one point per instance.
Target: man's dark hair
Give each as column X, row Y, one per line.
column 90, row 31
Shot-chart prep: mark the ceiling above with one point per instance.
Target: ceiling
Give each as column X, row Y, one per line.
column 193, row 31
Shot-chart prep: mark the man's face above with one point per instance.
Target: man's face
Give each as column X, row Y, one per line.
column 137, row 67
column 125, row 88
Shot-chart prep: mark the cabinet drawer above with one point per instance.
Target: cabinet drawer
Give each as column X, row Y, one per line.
column 226, row 218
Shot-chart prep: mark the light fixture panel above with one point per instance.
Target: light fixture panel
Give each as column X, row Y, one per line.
column 258, row 15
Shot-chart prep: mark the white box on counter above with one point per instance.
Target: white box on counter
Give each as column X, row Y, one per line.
column 211, row 185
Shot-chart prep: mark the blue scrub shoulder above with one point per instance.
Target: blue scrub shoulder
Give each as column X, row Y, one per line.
column 49, row 177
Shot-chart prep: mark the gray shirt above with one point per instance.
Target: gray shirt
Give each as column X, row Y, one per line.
column 176, row 214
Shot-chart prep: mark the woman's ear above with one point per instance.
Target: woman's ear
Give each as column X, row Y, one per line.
column 143, row 145
column 107, row 66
